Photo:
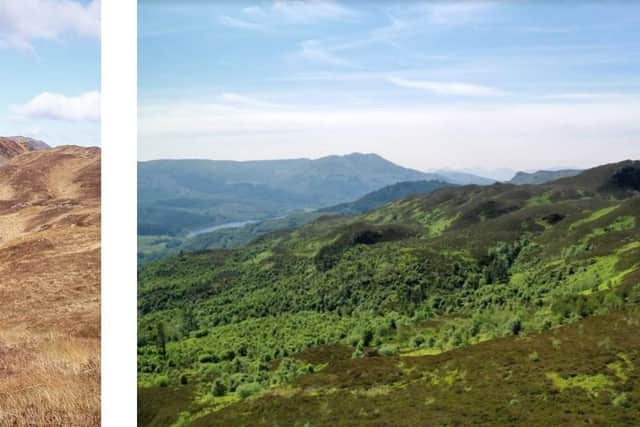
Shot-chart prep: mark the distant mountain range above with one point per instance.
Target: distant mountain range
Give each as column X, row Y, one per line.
column 542, row 176
column 179, row 195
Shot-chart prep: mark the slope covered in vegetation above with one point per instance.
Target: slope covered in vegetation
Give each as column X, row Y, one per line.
column 416, row 295
column 541, row 177
column 151, row 248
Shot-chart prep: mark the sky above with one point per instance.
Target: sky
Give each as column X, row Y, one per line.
column 50, row 70
column 476, row 86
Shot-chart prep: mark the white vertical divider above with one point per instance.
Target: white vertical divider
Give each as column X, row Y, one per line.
column 119, row 132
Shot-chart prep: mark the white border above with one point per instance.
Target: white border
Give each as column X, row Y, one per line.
column 119, row 119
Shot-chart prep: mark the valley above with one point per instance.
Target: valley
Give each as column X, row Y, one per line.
column 464, row 304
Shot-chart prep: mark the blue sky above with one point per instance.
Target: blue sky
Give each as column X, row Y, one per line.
column 50, row 70
column 467, row 85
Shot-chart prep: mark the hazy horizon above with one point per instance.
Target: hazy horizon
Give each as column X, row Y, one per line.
column 499, row 173
column 428, row 85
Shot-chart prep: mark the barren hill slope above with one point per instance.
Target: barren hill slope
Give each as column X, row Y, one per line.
column 16, row 145
column 50, row 287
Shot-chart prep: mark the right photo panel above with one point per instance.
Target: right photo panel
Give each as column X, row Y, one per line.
column 400, row 214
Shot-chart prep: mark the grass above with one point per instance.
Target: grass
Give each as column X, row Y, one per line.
column 590, row 383
column 49, row 380
column 540, row 200
column 593, row 216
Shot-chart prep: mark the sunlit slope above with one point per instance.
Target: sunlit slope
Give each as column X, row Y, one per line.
column 50, row 287
column 419, row 276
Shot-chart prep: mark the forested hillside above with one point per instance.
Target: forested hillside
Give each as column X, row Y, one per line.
column 152, row 248
column 476, row 304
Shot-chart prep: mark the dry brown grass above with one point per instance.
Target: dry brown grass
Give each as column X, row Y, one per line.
column 50, row 289
column 49, row 380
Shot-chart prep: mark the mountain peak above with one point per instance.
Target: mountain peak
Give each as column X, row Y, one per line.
column 13, row 146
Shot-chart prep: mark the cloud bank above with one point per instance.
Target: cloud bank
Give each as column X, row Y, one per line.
column 524, row 135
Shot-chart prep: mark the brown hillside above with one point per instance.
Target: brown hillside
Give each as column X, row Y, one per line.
column 50, row 287
column 15, row 145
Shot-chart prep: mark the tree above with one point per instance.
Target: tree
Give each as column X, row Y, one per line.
column 189, row 322
column 161, row 339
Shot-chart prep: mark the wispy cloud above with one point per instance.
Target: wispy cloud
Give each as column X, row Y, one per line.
column 590, row 96
column 315, row 51
column 235, row 99
column 457, row 13
column 240, row 23
column 299, row 12
column 85, row 107
column 310, row 10
column 23, row 21
column 447, row 88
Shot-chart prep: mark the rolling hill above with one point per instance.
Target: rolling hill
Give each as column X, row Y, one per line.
column 502, row 304
column 151, row 248
column 183, row 195
column 50, row 287
column 542, row 176
column 15, row 145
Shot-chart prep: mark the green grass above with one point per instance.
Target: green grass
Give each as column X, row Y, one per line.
column 594, row 216
column 590, row 383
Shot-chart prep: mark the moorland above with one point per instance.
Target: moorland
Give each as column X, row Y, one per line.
column 50, row 284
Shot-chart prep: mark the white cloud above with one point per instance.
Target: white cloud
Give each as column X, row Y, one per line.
column 85, row 107
column 447, row 88
column 517, row 135
column 23, row 21
column 262, row 18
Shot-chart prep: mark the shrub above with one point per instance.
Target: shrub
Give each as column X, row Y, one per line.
column 209, row 358
column 219, row 388
column 388, row 350
column 431, row 342
column 358, row 352
column 163, row 381
column 621, row 400
column 367, row 337
column 248, row 389
column 201, row 333
column 417, row 341
column 515, row 326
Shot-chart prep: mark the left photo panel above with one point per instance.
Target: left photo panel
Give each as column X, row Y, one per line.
column 50, row 210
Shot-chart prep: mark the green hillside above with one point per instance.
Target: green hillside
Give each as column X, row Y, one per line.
column 152, row 248
column 495, row 304
column 541, row 177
